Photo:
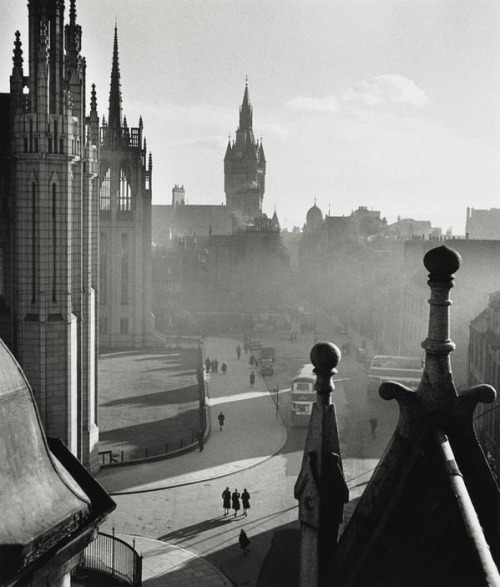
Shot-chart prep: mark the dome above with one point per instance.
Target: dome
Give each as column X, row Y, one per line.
column 314, row 217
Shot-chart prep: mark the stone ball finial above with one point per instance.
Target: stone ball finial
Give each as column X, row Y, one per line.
column 442, row 261
column 325, row 356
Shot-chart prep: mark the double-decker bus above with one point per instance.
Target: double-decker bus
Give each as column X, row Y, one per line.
column 303, row 395
column 404, row 370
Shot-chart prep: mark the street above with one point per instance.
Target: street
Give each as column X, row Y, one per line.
column 179, row 500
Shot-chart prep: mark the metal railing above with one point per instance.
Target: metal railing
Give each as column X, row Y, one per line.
column 112, row 556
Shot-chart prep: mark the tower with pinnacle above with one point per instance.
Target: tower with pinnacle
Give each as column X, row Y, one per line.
column 48, row 231
column 125, row 184
column 245, row 168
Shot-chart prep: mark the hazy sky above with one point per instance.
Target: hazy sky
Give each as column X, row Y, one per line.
column 390, row 104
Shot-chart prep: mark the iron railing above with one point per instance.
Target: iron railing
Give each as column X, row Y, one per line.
column 112, row 556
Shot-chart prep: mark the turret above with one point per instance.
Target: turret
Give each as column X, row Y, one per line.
column 47, row 19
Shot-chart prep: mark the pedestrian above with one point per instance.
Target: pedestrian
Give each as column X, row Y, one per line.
column 245, row 346
column 373, row 426
column 226, row 500
column 201, row 441
column 238, row 351
column 244, row 541
column 224, row 367
column 245, row 501
column 212, row 365
column 252, row 378
column 207, row 365
column 235, row 499
column 221, row 419
column 216, row 365
column 251, row 360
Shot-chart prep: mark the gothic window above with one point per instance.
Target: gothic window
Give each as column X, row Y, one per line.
column 125, row 198
column 105, row 192
column 124, row 269
column 54, row 241
column 103, row 268
column 33, row 242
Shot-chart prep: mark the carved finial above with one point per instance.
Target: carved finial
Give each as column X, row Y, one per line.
column 72, row 12
column 442, row 262
column 140, row 122
column 150, row 161
column 325, row 356
column 125, row 125
column 18, row 52
column 93, row 99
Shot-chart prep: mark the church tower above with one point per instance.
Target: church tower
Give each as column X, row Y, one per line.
column 125, row 177
column 49, row 255
column 245, row 168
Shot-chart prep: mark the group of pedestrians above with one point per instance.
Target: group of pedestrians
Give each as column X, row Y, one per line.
column 232, row 501
column 213, row 365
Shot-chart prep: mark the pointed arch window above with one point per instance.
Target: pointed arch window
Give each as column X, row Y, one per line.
column 124, row 269
column 103, row 268
column 54, row 242
column 105, row 192
column 125, row 197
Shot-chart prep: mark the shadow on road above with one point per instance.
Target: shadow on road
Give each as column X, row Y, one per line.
column 188, row 532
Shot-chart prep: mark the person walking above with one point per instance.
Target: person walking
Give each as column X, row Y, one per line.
column 252, row 378
column 244, row 541
column 226, row 500
column 221, row 419
column 207, row 365
column 245, row 501
column 216, row 365
column 224, row 368
column 238, row 351
column 235, row 499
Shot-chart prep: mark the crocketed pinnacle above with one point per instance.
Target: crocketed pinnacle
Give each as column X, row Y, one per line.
column 115, row 94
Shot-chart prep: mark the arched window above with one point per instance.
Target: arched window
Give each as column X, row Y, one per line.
column 103, row 268
column 54, row 241
column 125, row 199
column 105, row 192
column 124, row 269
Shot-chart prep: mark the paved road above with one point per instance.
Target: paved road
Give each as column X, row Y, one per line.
column 178, row 501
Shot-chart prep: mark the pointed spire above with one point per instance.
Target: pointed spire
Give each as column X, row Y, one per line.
column 262, row 157
column 115, row 95
column 228, row 150
column 18, row 54
column 246, row 111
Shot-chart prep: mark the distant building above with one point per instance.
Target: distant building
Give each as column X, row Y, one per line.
column 483, row 224
column 125, row 302
column 49, row 226
column 484, row 367
column 408, row 228
column 220, row 258
column 245, row 168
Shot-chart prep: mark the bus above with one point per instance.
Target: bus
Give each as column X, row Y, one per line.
column 405, row 370
column 303, row 395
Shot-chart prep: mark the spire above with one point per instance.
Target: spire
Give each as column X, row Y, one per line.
column 262, row 157
column 246, row 111
column 115, row 95
column 228, row 150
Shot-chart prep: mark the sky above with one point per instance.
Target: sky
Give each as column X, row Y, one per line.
column 389, row 104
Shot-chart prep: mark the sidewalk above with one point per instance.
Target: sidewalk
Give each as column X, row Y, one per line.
column 252, row 434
